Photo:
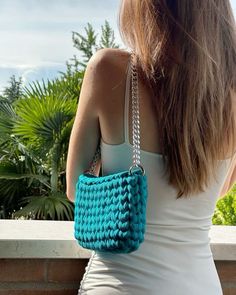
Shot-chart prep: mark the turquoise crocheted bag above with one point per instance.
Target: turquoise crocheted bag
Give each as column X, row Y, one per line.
column 110, row 211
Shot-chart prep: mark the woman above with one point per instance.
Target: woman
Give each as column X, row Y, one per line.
column 186, row 59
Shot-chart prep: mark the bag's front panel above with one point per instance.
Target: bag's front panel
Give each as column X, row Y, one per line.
column 107, row 214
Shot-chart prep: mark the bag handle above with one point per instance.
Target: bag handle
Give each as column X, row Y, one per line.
column 135, row 125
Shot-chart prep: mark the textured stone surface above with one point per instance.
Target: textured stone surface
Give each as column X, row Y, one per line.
column 55, row 239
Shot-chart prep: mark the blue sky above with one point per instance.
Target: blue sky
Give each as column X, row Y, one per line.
column 36, row 34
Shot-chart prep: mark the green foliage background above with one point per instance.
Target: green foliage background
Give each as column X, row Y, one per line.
column 225, row 212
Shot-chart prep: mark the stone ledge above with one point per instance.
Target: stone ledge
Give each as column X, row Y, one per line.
column 55, row 239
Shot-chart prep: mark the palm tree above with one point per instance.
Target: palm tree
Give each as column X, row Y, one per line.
column 37, row 128
column 19, row 167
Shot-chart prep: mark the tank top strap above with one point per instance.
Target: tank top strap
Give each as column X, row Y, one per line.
column 127, row 98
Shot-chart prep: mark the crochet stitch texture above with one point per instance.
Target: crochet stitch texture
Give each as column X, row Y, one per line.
column 110, row 211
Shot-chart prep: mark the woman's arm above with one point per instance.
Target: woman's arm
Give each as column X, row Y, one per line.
column 85, row 133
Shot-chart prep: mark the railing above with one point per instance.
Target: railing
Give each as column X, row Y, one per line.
column 42, row 257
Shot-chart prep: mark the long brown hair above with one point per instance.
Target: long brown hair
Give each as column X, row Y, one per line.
column 186, row 52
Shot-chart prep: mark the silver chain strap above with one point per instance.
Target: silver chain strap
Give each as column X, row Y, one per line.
column 135, row 125
column 135, row 117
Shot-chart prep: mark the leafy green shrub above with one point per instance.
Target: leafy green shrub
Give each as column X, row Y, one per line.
column 225, row 211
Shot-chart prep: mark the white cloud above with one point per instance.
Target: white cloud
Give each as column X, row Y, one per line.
column 58, row 10
column 33, row 30
column 29, row 73
column 35, row 33
column 34, row 47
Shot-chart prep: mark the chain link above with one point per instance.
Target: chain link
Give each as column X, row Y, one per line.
column 135, row 123
column 135, row 113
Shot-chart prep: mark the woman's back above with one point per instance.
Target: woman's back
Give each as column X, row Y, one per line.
column 113, row 105
column 176, row 237
column 117, row 156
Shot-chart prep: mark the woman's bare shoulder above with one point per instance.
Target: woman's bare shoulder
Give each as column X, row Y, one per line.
column 104, row 79
column 111, row 55
column 109, row 62
column 105, row 74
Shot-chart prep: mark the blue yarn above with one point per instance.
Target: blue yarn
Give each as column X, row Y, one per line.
column 110, row 211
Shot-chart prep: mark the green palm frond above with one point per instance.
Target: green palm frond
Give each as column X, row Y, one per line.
column 9, row 190
column 43, row 118
column 7, row 118
column 53, row 207
column 16, row 175
column 11, row 176
column 36, row 89
column 66, row 87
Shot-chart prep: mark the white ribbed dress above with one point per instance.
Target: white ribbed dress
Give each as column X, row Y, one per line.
column 175, row 258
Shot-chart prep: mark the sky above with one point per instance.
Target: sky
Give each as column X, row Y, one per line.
column 36, row 35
